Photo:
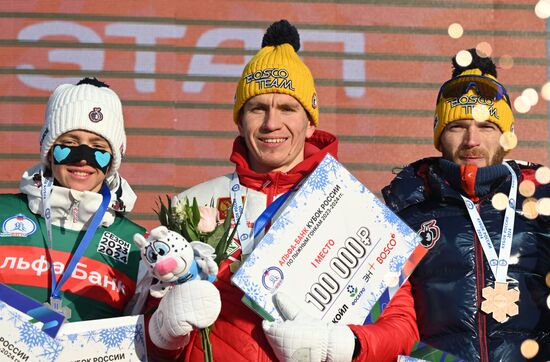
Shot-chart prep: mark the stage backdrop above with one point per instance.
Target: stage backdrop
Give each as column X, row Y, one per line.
column 175, row 64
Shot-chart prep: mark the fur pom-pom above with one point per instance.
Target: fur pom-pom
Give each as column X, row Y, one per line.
column 93, row 81
column 485, row 64
column 281, row 32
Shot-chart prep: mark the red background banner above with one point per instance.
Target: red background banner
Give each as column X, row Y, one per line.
column 378, row 66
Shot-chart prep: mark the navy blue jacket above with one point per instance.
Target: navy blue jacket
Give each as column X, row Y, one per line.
column 447, row 283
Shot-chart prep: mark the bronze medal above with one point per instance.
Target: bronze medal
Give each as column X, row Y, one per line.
column 500, row 301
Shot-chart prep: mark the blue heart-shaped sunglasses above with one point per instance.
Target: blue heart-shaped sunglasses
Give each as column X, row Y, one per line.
column 100, row 159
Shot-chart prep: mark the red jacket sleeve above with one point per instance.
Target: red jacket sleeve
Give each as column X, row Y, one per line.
column 155, row 353
column 394, row 333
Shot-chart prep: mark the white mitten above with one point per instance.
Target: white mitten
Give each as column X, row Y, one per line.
column 194, row 304
column 303, row 338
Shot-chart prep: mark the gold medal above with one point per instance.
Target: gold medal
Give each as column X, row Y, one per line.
column 500, row 301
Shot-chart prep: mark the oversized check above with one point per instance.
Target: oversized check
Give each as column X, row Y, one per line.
column 23, row 339
column 102, row 340
column 334, row 248
column 26, row 329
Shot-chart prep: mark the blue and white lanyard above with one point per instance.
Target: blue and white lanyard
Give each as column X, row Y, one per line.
column 47, row 185
column 268, row 213
column 260, row 222
column 243, row 231
column 498, row 263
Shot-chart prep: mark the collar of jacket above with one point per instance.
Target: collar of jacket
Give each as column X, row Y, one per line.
column 316, row 147
column 481, row 181
column 427, row 179
column 68, row 204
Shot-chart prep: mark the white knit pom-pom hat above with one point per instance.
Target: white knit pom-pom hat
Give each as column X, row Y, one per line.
column 89, row 107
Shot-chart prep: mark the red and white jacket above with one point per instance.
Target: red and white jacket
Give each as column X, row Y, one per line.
column 237, row 334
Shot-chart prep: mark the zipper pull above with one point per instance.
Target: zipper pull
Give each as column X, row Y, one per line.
column 266, row 183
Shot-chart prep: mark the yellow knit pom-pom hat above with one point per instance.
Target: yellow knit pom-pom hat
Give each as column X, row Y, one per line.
column 277, row 68
column 469, row 87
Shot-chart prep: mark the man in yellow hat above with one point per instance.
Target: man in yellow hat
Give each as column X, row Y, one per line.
column 480, row 291
column 277, row 114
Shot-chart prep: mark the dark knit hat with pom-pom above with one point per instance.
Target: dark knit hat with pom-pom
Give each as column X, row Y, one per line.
column 277, row 68
column 459, row 98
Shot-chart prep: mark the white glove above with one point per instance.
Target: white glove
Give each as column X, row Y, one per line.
column 303, row 338
column 194, row 304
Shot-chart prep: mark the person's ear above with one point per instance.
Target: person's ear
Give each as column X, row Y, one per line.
column 311, row 127
column 240, row 122
column 49, row 158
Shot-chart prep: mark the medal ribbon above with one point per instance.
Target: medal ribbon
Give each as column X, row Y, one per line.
column 260, row 222
column 268, row 213
column 243, row 231
column 47, row 184
column 498, row 263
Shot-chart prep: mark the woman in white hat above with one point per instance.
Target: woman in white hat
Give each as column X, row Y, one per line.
column 70, row 210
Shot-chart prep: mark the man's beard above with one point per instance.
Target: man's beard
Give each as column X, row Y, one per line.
column 497, row 158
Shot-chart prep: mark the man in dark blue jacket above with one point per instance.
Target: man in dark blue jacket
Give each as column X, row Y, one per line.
column 480, row 292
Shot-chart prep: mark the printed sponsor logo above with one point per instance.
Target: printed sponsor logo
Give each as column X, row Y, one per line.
column 352, row 290
column 28, row 265
column 270, row 78
column 469, row 102
column 95, row 115
column 114, row 247
column 430, row 233
column 272, row 278
column 18, row 226
column 341, row 311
